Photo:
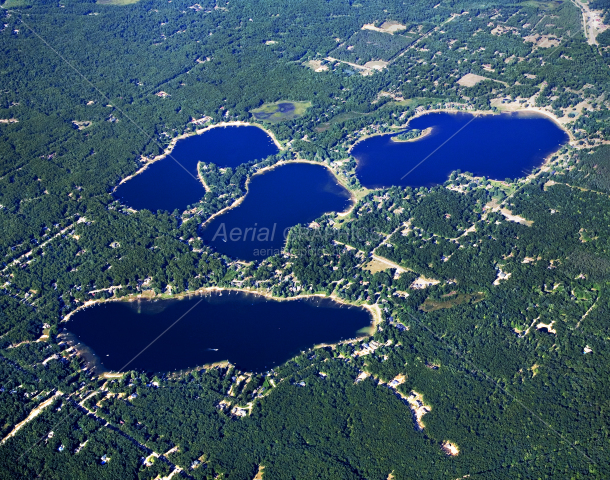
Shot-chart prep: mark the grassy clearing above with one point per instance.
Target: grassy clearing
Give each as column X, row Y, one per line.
column 342, row 117
column 281, row 111
column 116, row 2
column 450, row 301
column 542, row 5
column 375, row 266
column 417, row 101
column 17, row 3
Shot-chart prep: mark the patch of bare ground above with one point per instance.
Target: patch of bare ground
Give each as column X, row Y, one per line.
column 397, row 380
column 502, row 30
column 501, row 276
column 543, row 41
column 81, row 125
column 375, row 266
column 423, row 282
column 361, row 376
column 534, row 368
column 547, row 326
column 515, row 218
column 471, row 79
column 450, row 449
column 376, row 65
column 316, row 65
column 393, row 96
column 259, row 474
column 418, row 407
column 389, row 264
column 390, row 27
column 361, row 69
column 8, row 120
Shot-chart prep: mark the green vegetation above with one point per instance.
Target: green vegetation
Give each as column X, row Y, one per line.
column 281, row 111
column 367, row 45
column 472, row 348
column 449, row 300
column 408, row 135
column 116, row 2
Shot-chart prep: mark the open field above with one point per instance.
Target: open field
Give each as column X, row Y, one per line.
column 470, row 80
column 316, row 65
column 450, row 301
column 281, row 111
column 415, row 101
column 17, row 3
column 375, row 266
column 116, row 2
column 390, row 27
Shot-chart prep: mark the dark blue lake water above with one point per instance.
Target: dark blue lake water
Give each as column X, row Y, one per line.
column 251, row 331
column 276, row 200
column 494, row 146
column 172, row 182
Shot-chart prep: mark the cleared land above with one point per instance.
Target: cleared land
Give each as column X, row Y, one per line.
column 471, row 79
column 316, row 65
column 117, row 2
column 390, row 27
column 375, row 266
column 450, row 301
column 281, row 111
column 543, row 41
column 17, row 3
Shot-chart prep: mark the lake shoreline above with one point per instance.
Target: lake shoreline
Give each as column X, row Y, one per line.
column 563, row 134
column 269, row 168
column 374, row 314
column 424, row 134
column 476, row 113
column 169, row 149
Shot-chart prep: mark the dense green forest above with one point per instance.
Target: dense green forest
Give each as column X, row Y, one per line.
column 495, row 311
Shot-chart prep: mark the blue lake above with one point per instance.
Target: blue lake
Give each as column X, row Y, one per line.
column 494, row 146
column 252, row 332
column 276, row 200
column 172, row 183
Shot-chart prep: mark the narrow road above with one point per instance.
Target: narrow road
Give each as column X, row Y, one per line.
column 587, row 20
column 586, row 313
column 29, row 253
column 33, row 414
column 80, row 406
